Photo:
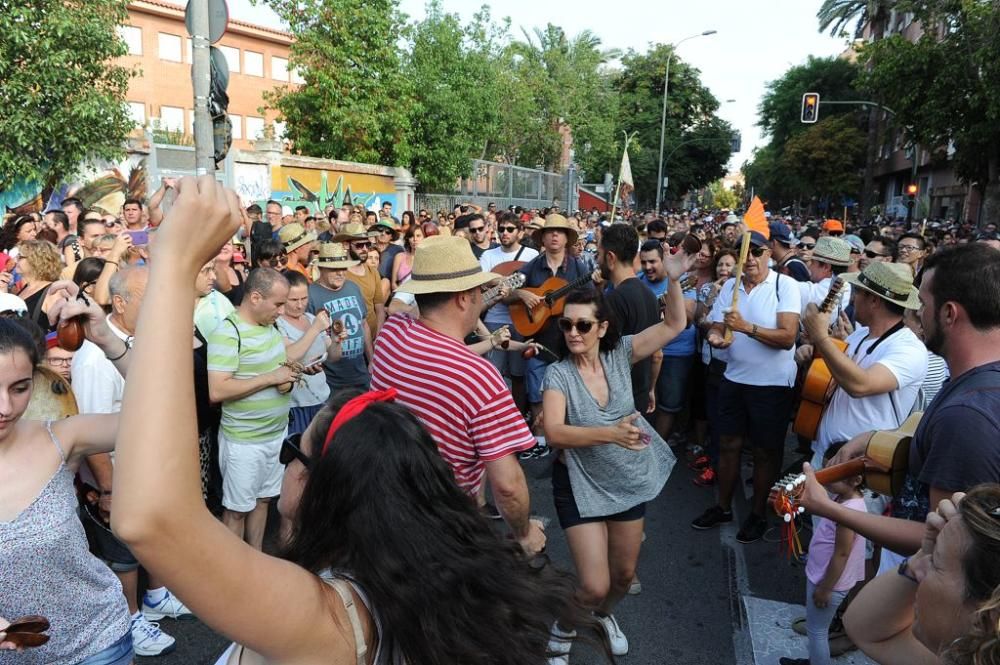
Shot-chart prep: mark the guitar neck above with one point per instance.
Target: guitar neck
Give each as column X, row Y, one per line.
column 832, row 296
column 563, row 290
column 832, row 474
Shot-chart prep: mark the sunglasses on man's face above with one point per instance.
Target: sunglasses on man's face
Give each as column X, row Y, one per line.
column 507, row 229
column 478, row 229
column 291, row 449
column 757, row 252
column 583, row 326
column 361, row 245
column 807, row 245
column 872, row 255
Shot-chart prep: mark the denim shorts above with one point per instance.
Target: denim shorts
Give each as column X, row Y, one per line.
column 672, row 383
column 569, row 514
column 119, row 653
column 534, row 374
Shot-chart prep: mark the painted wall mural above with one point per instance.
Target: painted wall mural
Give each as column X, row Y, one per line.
column 105, row 186
column 314, row 188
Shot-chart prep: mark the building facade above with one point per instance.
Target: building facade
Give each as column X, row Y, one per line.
column 161, row 96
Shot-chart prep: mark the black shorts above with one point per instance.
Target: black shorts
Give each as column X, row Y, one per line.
column 104, row 544
column 759, row 413
column 566, row 510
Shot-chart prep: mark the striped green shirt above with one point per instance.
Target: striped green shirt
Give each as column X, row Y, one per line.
column 262, row 416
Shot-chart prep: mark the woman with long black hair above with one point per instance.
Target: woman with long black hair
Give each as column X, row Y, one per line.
column 388, row 561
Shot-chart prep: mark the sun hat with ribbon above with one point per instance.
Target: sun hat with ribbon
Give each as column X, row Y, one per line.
column 557, row 221
column 334, row 255
column 835, row 251
column 890, row 281
column 445, row 264
column 294, row 235
column 349, row 232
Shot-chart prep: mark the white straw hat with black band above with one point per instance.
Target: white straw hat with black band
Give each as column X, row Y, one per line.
column 445, row 264
column 890, row 281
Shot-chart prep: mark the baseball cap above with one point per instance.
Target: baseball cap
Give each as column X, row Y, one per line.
column 856, row 243
column 833, row 225
column 757, row 239
column 782, row 233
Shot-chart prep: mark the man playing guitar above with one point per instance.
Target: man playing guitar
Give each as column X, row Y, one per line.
column 554, row 261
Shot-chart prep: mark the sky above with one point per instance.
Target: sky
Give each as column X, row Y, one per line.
column 756, row 40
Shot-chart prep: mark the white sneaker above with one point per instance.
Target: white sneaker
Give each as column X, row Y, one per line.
column 635, row 587
column 617, row 639
column 560, row 642
column 168, row 608
column 148, row 639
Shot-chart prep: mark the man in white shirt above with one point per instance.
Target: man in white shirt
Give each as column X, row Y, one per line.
column 756, row 392
column 510, row 365
column 830, row 258
column 880, row 374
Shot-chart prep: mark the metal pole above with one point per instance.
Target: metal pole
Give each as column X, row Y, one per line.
column 663, row 117
column 201, row 72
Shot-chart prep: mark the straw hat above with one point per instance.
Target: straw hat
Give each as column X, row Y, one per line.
column 890, row 281
column 557, row 221
column 334, row 255
column 835, row 251
column 445, row 264
column 349, row 232
column 294, row 235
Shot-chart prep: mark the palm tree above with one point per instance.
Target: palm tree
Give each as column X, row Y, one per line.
column 838, row 14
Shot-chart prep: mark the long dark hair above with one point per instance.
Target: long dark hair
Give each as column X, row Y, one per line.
column 601, row 312
column 13, row 336
column 383, row 506
column 8, row 234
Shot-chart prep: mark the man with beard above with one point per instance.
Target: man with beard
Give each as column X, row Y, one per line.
column 364, row 276
column 756, row 391
column 957, row 444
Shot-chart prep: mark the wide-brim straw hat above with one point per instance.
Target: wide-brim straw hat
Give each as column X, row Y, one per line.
column 835, row 251
column 294, row 235
column 445, row 264
column 890, row 281
column 349, row 232
column 334, row 255
column 557, row 221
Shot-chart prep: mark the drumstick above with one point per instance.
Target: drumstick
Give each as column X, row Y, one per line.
column 744, row 248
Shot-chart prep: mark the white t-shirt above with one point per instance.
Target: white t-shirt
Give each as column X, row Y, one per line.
column 903, row 354
column 751, row 362
column 491, row 258
column 815, row 293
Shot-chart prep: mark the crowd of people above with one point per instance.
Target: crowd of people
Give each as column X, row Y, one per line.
column 383, row 380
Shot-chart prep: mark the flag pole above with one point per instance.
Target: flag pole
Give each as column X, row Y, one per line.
column 618, row 184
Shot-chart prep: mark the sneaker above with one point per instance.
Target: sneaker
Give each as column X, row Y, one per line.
column 148, row 639
column 489, row 511
column 694, row 453
column 168, row 608
column 712, row 518
column 706, row 478
column 752, row 530
column 616, row 638
column 560, row 642
column 635, row 588
column 699, row 463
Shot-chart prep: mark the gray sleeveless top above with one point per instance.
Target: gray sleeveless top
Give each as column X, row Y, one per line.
column 46, row 569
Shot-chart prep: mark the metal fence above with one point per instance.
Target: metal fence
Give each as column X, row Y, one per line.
column 506, row 185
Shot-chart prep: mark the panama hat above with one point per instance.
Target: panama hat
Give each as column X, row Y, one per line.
column 445, row 264
column 294, row 235
column 557, row 221
column 333, row 255
column 835, row 251
column 890, row 281
column 349, row 232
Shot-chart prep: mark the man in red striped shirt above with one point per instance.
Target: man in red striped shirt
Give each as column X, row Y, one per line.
column 458, row 396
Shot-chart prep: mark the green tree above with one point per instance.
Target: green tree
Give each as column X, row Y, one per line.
column 723, row 197
column 827, row 160
column 353, row 104
column 963, row 54
column 697, row 141
column 62, row 94
column 837, row 15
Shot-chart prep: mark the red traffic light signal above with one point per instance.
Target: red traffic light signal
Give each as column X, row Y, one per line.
column 810, row 107
column 911, row 190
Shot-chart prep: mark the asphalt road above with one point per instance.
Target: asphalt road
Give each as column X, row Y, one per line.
column 692, row 609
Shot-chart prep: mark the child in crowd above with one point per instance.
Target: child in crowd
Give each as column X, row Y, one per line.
column 836, row 563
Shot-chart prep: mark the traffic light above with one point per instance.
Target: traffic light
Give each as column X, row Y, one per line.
column 810, row 107
column 911, row 190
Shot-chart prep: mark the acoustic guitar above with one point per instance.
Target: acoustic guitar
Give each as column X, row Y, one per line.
column 883, row 466
column 819, row 384
column 492, row 295
column 553, row 293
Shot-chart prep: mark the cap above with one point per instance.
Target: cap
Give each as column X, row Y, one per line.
column 757, row 239
column 782, row 234
column 856, row 243
column 833, row 225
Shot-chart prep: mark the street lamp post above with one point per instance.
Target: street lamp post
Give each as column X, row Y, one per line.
column 663, row 120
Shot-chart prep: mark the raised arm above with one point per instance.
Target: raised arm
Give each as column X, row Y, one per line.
column 272, row 606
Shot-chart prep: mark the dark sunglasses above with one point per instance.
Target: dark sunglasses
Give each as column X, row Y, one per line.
column 836, row 234
column 478, row 229
column 291, row 450
column 507, row 229
column 361, row 245
column 807, row 245
column 757, row 252
column 583, row 326
column 872, row 255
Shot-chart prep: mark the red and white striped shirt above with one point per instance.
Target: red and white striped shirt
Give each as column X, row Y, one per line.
column 458, row 396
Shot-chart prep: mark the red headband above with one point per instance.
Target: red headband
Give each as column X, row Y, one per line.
column 355, row 406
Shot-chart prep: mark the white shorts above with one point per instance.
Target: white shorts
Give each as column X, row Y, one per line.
column 250, row 471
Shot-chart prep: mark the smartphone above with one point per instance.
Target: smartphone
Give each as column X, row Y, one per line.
column 139, row 237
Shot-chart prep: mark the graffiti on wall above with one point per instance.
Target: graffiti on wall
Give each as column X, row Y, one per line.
column 104, row 187
column 313, row 188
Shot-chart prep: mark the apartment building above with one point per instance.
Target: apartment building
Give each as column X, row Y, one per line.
column 161, row 96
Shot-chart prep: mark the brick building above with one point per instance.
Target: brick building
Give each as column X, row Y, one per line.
column 161, row 96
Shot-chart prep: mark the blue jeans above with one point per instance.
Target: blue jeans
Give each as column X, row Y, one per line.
column 119, row 653
column 818, row 624
column 534, row 374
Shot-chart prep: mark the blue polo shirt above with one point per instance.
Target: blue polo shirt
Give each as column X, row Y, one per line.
column 683, row 344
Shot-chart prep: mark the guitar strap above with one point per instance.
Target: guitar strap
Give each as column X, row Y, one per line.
column 518, row 255
column 886, row 335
